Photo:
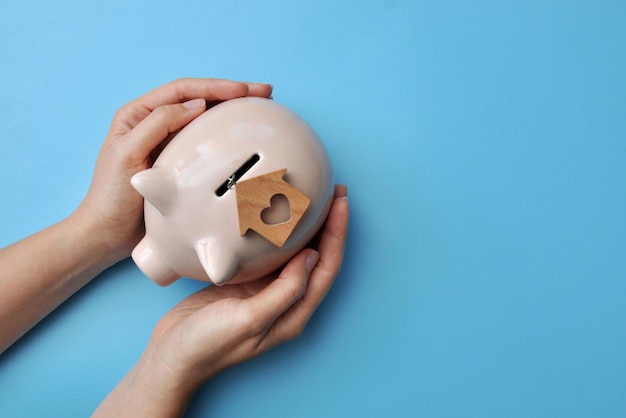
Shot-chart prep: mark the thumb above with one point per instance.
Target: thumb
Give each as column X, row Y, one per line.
column 161, row 122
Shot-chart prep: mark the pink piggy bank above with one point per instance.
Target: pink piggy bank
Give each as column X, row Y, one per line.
column 234, row 195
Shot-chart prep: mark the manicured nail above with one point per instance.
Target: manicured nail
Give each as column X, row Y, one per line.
column 311, row 260
column 194, row 104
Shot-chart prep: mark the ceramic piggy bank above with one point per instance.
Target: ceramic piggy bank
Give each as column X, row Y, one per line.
column 234, row 195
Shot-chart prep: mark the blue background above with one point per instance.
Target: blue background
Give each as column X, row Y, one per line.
column 484, row 145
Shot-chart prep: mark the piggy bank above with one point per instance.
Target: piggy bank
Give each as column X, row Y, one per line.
column 234, row 195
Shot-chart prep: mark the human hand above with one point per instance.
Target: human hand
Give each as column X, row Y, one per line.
column 218, row 327
column 112, row 209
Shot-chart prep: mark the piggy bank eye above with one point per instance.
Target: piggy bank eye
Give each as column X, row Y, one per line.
column 230, row 182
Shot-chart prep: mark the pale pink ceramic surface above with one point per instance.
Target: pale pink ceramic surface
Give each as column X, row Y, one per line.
column 192, row 232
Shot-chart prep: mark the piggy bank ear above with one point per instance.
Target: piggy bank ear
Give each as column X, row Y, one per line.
column 219, row 262
column 156, row 186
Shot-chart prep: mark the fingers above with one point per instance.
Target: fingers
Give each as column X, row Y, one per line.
column 331, row 251
column 259, row 89
column 333, row 239
column 179, row 91
column 152, row 130
column 282, row 293
column 210, row 89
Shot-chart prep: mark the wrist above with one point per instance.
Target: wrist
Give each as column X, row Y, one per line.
column 151, row 388
column 96, row 239
column 166, row 375
column 175, row 370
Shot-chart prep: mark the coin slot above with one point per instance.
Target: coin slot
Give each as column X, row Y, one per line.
column 230, row 182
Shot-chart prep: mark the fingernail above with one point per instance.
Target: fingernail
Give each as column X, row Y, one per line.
column 194, row 104
column 341, row 190
column 311, row 260
column 261, row 84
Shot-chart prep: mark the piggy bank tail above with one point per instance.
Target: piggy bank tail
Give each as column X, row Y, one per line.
column 152, row 264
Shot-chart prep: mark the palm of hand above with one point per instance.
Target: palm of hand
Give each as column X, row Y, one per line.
column 220, row 326
column 213, row 328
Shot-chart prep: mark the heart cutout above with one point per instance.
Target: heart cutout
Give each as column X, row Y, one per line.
column 279, row 211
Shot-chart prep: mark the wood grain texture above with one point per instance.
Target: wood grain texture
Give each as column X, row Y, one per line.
column 255, row 195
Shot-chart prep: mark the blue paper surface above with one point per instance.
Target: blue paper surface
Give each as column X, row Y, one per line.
column 484, row 147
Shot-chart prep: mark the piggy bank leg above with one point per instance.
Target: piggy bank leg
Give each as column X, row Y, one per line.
column 152, row 264
column 219, row 263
